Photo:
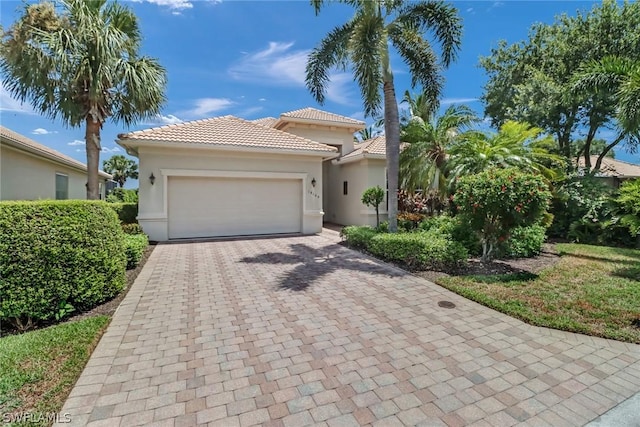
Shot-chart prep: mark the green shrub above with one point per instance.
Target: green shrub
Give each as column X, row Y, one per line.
column 358, row 237
column 127, row 212
column 456, row 229
column 418, row 250
column 54, row 253
column 523, row 242
column 135, row 246
column 383, row 227
column 123, row 195
column 409, row 221
column 132, row 229
column 497, row 200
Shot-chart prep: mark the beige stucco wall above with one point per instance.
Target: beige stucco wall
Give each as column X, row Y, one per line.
column 24, row 176
column 199, row 161
column 349, row 209
column 338, row 137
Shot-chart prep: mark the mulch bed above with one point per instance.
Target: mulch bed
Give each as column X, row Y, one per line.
column 547, row 258
column 107, row 308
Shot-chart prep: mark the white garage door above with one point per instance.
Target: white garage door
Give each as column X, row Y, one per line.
column 207, row 207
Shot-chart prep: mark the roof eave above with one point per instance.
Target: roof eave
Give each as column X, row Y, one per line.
column 283, row 120
column 358, row 157
column 132, row 148
column 35, row 151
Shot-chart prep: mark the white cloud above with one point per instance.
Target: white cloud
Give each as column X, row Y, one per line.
column 7, row 103
column 76, row 142
column 41, row 131
column 175, row 5
column 110, row 150
column 262, row 99
column 470, row 9
column 207, row 106
column 250, row 111
column 161, row 120
column 449, row 101
column 281, row 65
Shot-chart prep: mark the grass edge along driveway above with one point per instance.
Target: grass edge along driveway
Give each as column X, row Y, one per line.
column 594, row 290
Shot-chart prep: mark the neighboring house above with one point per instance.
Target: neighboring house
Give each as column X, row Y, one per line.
column 614, row 172
column 32, row 171
column 227, row 176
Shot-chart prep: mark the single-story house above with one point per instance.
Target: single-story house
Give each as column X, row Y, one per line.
column 32, row 171
column 614, row 172
column 227, row 176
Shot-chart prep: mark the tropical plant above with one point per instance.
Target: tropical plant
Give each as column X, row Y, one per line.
column 121, row 169
column 496, row 201
column 371, row 131
column 622, row 77
column 514, row 145
column 364, row 43
column 531, row 81
column 80, row 63
column 373, row 197
column 628, row 202
column 423, row 160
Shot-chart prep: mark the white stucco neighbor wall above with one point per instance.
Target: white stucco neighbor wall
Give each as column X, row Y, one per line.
column 24, row 176
column 204, row 161
column 349, row 209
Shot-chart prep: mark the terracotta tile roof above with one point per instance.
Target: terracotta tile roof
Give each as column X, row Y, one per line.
column 614, row 168
column 321, row 116
column 30, row 145
column 227, row 131
column 266, row 121
column 376, row 146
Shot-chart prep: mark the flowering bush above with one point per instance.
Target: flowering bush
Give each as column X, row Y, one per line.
column 497, row 200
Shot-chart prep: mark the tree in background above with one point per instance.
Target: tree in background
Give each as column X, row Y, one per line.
column 531, row 81
column 514, row 145
column 121, row 169
column 622, row 77
column 364, row 44
column 80, row 63
column 423, row 161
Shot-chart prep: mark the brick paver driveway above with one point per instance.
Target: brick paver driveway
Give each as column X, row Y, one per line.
column 300, row 330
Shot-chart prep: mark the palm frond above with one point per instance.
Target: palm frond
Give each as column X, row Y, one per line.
column 366, row 45
column 330, row 53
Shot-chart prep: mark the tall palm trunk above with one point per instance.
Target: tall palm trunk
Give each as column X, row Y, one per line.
column 392, row 132
column 92, row 140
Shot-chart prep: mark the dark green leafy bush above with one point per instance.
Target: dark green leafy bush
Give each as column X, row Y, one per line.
column 54, row 253
column 135, row 246
column 127, row 212
column 456, row 229
column 418, row 250
column 358, row 237
column 523, row 242
column 123, row 195
column 496, row 201
column 132, row 229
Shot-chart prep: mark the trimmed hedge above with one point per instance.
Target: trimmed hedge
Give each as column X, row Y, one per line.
column 420, row 250
column 135, row 246
column 358, row 237
column 132, row 229
column 523, row 242
column 54, row 253
column 127, row 212
column 454, row 228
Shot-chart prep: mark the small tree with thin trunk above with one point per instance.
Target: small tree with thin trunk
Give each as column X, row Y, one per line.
column 373, row 197
column 496, row 201
column 79, row 62
column 121, row 169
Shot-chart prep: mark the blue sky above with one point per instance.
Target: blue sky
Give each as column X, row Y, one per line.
column 247, row 58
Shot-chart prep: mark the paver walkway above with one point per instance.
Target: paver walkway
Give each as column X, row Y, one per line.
column 300, row 330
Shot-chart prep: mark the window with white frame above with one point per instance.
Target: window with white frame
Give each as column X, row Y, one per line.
column 62, row 186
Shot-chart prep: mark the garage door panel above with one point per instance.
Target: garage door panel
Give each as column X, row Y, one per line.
column 207, row 207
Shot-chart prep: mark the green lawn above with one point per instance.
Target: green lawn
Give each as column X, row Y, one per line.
column 39, row 368
column 593, row 290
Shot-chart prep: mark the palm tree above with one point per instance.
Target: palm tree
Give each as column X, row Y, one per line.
column 423, row 160
column 80, row 63
column 364, row 44
column 370, row 131
column 621, row 76
column 121, row 169
column 516, row 144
